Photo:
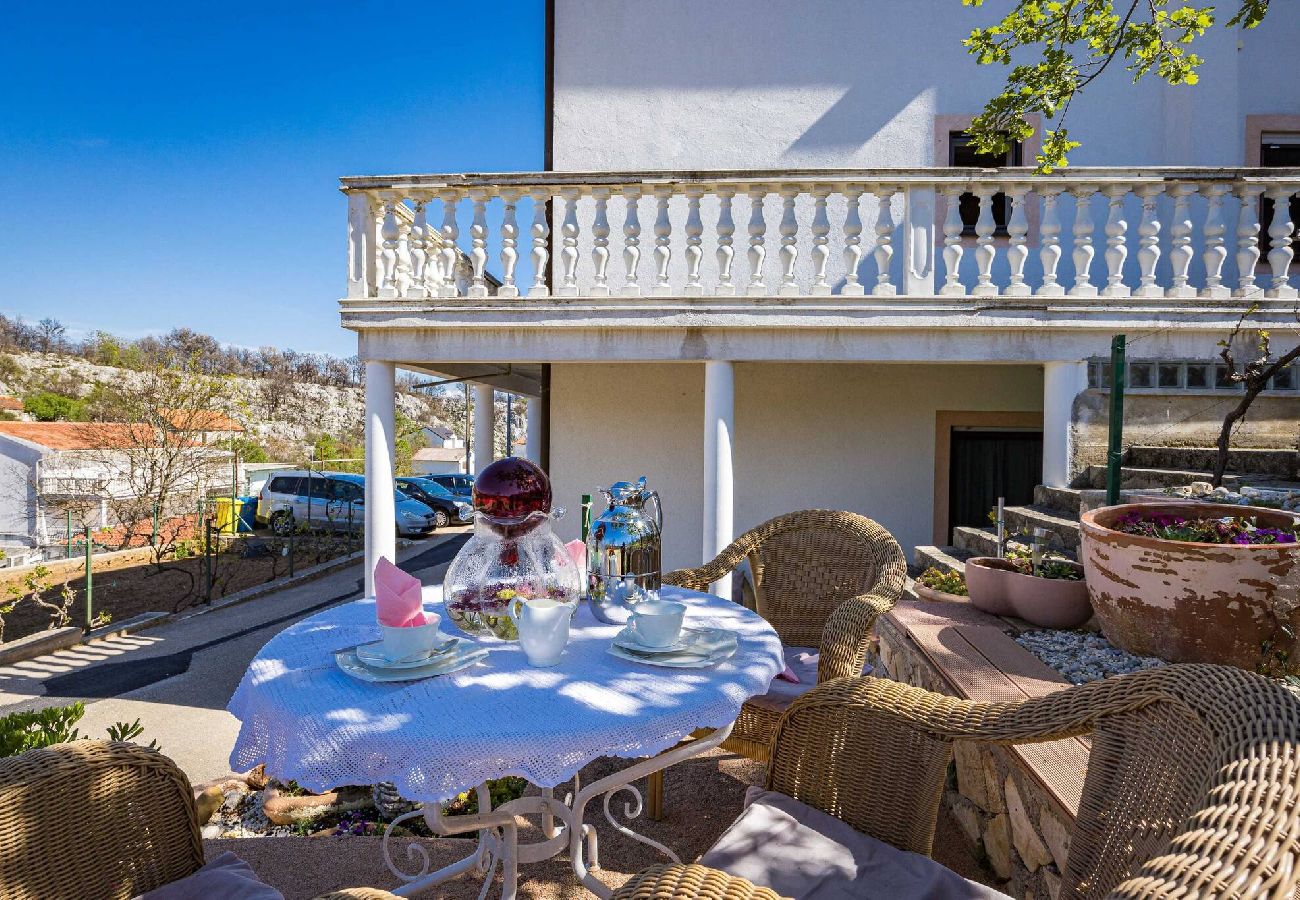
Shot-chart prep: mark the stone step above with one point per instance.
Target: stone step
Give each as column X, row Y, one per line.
column 1134, row 478
column 1272, row 463
column 951, row 559
column 1068, row 501
column 975, row 541
column 1024, row 519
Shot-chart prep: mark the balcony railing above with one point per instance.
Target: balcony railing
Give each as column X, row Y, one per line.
column 1093, row 234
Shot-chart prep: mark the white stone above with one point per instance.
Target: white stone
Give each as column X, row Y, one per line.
column 1028, row 844
column 1052, row 882
column 970, row 774
column 1057, row 836
column 997, row 844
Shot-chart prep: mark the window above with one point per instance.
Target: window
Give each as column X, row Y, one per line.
column 1170, row 375
column 1141, row 375
column 963, row 155
column 282, row 484
column 1284, row 380
column 1197, row 378
column 1278, row 151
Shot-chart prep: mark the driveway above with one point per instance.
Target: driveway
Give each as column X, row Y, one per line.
column 176, row 679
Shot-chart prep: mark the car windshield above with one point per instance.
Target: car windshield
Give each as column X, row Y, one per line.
column 429, row 487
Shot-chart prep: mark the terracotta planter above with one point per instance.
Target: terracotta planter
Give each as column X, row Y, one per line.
column 998, row 587
column 928, row 593
column 1237, row 604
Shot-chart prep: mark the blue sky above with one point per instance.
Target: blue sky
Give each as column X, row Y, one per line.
column 169, row 164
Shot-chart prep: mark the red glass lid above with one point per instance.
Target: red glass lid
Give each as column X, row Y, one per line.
column 512, row 489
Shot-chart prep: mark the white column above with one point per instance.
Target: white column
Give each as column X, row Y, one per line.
column 1062, row 382
column 719, row 428
column 535, row 426
column 381, row 522
column 485, row 419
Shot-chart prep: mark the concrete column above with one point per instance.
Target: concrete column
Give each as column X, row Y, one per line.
column 1062, row 383
column 719, row 427
column 381, row 522
column 485, row 419
column 536, row 425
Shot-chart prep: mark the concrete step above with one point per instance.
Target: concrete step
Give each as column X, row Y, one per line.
column 1022, row 520
column 1134, row 478
column 1272, row 463
column 952, row 559
column 975, row 541
column 1068, row 501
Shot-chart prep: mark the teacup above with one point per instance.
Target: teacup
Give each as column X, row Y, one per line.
column 412, row 640
column 543, row 626
column 657, row 623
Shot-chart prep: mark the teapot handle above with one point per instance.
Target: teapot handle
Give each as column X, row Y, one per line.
column 659, row 508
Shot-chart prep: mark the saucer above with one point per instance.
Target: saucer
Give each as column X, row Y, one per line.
column 373, row 654
column 683, row 659
column 452, row 661
column 627, row 639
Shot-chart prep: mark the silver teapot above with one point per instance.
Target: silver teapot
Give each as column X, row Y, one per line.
column 623, row 551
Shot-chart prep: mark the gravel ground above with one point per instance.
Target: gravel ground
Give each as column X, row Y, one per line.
column 703, row 796
column 1083, row 656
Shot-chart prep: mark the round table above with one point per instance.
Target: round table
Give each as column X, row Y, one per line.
column 308, row 721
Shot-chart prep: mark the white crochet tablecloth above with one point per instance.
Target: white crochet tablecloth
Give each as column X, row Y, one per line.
column 308, row 721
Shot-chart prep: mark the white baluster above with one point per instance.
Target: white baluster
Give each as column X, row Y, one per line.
column 631, row 240
column 726, row 253
column 600, row 243
column 953, row 251
column 1180, row 242
column 1116, row 249
column 985, row 250
column 1018, row 251
column 884, row 251
column 1083, row 249
column 1149, row 242
column 821, row 253
column 1049, row 242
column 390, row 234
column 789, row 236
column 1247, row 240
column 449, row 234
column 663, row 241
column 1215, row 253
column 569, row 248
column 362, row 254
column 478, row 245
column 541, row 232
column 694, row 252
column 404, row 279
column 852, row 243
column 1282, row 252
column 509, row 243
column 757, row 252
column 418, row 242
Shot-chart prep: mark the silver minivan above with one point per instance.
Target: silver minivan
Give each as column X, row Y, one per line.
column 331, row 500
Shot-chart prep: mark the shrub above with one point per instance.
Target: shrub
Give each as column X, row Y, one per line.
column 47, row 406
column 1224, row 530
column 23, row 731
column 940, row 580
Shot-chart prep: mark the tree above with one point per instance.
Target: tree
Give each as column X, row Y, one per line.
column 48, row 406
column 1059, row 47
column 50, row 334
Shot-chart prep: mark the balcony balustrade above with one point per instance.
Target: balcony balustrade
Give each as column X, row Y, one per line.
column 1088, row 235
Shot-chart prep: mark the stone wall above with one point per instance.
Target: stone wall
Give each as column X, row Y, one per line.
column 1013, row 825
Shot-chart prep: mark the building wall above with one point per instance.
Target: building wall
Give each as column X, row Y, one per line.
column 844, row 436
column 17, row 489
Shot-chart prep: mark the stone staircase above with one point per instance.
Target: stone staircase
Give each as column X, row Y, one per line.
column 1147, row 472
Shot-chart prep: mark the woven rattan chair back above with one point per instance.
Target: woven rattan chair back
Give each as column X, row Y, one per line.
column 805, row 564
column 94, row 819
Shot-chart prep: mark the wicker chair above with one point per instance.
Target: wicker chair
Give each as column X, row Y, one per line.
column 821, row 578
column 98, row 819
column 1191, row 789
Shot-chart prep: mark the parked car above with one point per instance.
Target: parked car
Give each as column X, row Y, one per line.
column 460, row 484
column 447, row 507
column 332, row 500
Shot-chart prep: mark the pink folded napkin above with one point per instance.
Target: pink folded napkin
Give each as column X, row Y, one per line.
column 577, row 551
column 788, row 675
column 397, row 597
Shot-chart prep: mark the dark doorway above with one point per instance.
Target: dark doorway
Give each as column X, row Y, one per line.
column 985, row 465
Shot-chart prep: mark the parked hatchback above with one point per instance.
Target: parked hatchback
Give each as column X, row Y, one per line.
column 332, row 500
column 447, row 507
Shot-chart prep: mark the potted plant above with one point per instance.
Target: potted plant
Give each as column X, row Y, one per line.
column 1197, row 582
column 942, row 585
column 1049, row 592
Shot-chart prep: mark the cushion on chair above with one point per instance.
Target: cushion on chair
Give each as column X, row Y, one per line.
column 804, row 853
column 225, row 876
column 803, row 662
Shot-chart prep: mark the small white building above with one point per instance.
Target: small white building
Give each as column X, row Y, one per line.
column 438, row 460
column 440, row 436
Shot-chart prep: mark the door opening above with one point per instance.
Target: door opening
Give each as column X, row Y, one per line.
column 985, row 464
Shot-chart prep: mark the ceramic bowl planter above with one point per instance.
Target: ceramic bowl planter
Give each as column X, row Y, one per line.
column 928, row 593
column 1185, row 601
column 999, row 587
column 930, row 585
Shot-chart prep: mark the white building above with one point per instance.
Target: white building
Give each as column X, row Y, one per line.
column 438, row 460
column 777, row 282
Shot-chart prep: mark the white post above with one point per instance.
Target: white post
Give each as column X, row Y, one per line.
column 536, row 424
column 485, row 419
column 381, row 517
column 719, row 426
column 1062, row 382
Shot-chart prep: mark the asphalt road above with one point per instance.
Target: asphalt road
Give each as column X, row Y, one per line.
column 176, row 679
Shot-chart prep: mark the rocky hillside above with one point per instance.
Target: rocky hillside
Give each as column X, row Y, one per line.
column 282, row 415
